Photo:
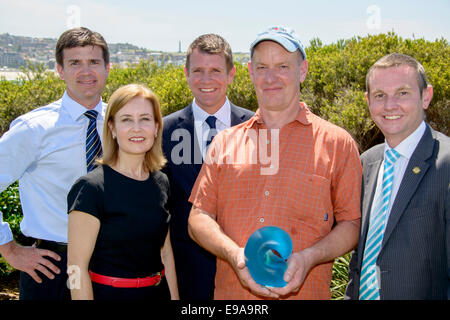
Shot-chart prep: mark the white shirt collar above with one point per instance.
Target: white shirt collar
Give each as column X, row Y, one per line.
column 75, row 109
column 223, row 114
column 408, row 145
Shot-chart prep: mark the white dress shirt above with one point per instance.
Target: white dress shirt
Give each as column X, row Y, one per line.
column 45, row 150
column 406, row 148
column 223, row 122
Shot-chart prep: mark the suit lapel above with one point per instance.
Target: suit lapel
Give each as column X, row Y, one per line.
column 370, row 183
column 186, row 121
column 410, row 182
column 237, row 116
column 370, row 178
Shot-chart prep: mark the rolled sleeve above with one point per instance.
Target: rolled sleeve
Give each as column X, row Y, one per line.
column 346, row 185
column 5, row 231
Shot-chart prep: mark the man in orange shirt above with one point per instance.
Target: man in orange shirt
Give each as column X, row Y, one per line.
column 284, row 167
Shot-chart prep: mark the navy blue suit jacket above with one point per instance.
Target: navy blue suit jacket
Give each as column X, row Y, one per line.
column 196, row 267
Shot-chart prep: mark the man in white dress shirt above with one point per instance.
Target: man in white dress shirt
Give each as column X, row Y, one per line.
column 45, row 150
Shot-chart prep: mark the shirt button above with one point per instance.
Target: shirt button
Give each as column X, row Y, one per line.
column 261, row 220
column 267, row 193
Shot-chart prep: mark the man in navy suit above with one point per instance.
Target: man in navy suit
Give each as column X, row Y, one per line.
column 187, row 133
column 403, row 253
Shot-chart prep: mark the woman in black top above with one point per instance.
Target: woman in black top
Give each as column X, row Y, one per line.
column 119, row 246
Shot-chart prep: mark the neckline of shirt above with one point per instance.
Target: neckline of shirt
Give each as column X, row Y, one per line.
column 223, row 114
column 408, row 145
column 75, row 109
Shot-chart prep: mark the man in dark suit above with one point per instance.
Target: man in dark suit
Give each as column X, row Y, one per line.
column 404, row 244
column 187, row 133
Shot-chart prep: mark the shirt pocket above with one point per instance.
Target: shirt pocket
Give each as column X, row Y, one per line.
column 309, row 197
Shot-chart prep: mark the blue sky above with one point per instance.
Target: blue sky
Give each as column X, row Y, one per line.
column 161, row 24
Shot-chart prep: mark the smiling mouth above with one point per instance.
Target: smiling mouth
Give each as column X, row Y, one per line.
column 275, row 89
column 87, row 83
column 137, row 139
column 392, row 117
column 207, row 90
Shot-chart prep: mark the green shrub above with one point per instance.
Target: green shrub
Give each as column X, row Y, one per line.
column 337, row 75
column 12, row 213
column 11, row 208
column 36, row 88
column 340, row 277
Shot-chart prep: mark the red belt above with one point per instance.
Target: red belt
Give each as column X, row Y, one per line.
column 127, row 282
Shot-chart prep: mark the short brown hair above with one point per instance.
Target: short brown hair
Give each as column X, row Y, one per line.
column 212, row 44
column 396, row 60
column 154, row 158
column 80, row 37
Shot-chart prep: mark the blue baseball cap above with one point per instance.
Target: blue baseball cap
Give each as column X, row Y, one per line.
column 282, row 35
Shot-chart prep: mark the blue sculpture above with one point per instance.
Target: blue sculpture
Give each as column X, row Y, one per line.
column 266, row 252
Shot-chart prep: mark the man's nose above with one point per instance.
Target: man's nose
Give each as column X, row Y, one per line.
column 86, row 68
column 270, row 75
column 390, row 103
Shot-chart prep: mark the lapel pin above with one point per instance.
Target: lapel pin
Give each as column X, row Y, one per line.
column 416, row 170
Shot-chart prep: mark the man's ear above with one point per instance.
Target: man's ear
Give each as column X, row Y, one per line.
column 231, row 74
column 59, row 68
column 427, row 95
column 250, row 71
column 186, row 73
column 303, row 70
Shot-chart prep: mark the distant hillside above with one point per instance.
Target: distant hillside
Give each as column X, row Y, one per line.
column 17, row 51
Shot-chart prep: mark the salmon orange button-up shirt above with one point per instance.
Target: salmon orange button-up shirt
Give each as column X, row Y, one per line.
column 300, row 178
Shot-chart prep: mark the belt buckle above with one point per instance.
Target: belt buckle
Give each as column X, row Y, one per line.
column 158, row 274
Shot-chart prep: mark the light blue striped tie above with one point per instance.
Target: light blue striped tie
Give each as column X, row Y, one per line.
column 369, row 286
column 93, row 144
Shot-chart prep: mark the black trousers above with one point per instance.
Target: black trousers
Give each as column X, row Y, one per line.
column 48, row 289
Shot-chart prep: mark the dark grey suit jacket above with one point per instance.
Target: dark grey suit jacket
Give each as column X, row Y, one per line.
column 196, row 267
column 414, row 259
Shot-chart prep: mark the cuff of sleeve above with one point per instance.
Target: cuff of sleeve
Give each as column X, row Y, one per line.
column 204, row 204
column 5, row 231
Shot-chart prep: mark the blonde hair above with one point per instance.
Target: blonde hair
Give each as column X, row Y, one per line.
column 154, row 158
